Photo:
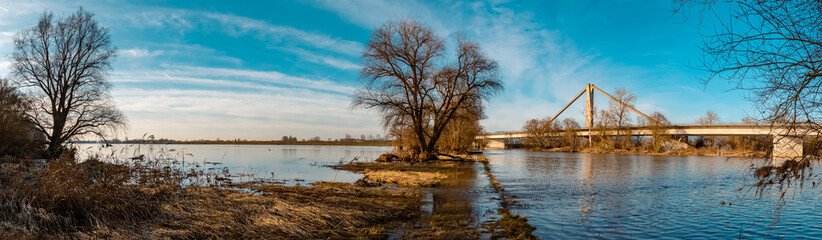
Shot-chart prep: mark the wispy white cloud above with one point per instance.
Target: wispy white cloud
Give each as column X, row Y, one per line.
column 234, row 78
column 139, row 52
column 338, row 63
column 4, row 9
column 167, row 76
column 186, row 20
column 378, row 12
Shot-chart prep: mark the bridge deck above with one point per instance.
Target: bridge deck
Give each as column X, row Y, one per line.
column 682, row 130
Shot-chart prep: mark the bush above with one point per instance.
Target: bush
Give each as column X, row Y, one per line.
column 17, row 137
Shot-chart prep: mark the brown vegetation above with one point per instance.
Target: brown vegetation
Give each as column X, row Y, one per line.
column 427, row 174
column 406, row 178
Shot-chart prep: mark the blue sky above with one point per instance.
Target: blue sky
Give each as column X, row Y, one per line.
column 264, row 69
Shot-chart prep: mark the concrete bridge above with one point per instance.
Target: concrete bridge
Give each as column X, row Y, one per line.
column 787, row 139
column 787, row 142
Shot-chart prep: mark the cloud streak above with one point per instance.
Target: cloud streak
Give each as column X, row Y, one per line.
column 139, row 52
column 187, row 20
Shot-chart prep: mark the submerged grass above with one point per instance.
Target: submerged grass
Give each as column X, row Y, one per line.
column 509, row 225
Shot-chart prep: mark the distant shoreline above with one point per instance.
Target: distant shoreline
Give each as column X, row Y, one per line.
column 323, row 143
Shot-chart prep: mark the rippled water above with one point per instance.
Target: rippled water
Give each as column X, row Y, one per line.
column 293, row 164
column 600, row 196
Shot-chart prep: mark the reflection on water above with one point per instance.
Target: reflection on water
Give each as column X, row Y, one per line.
column 294, row 164
column 628, row 196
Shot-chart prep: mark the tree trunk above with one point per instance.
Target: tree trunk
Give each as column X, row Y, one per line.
column 55, row 143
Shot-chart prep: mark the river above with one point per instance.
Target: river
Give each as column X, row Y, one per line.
column 608, row 196
column 564, row 195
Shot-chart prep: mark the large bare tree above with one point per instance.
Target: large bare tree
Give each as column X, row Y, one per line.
column 63, row 65
column 411, row 78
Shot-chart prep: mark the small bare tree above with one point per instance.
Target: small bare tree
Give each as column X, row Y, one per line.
column 63, row 65
column 709, row 118
column 538, row 133
column 570, row 135
column 408, row 77
column 620, row 114
column 659, row 129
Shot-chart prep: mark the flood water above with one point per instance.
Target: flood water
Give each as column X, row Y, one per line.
column 605, row 196
column 291, row 164
column 564, row 195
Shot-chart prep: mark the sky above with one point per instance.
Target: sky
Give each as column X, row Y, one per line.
column 264, row 69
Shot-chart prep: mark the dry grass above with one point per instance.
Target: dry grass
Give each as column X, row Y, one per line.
column 66, row 196
column 420, row 174
column 325, row 210
column 406, row 178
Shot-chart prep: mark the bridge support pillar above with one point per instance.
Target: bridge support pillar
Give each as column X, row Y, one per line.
column 786, row 148
column 495, row 144
column 589, row 106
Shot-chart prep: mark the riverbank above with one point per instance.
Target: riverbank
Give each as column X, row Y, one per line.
column 92, row 199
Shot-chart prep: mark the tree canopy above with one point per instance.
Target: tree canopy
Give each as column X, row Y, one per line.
column 417, row 85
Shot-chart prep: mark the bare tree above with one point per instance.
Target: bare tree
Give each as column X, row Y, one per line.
column 659, row 129
column 538, row 133
column 570, row 135
column 709, row 118
column 63, row 64
column 603, row 121
column 408, row 78
column 773, row 50
column 620, row 114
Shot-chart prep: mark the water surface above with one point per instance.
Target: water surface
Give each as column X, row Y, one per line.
column 293, row 164
column 606, row 196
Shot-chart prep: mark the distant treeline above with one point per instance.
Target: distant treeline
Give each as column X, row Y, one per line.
column 251, row 142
